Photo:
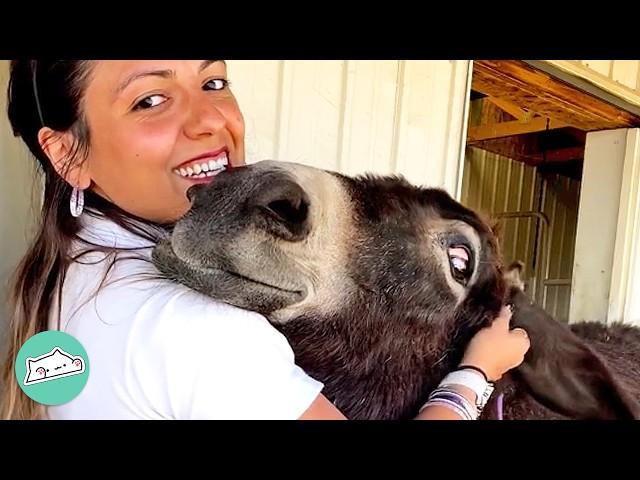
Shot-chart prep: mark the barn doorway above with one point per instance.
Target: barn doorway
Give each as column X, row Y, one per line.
column 524, row 160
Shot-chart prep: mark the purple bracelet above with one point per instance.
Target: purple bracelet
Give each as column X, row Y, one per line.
column 455, row 400
column 452, row 406
column 453, row 396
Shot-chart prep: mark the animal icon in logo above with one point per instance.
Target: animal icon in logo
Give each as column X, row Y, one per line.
column 53, row 365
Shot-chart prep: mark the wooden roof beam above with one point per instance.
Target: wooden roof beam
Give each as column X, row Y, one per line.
column 522, row 152
column 512, row 109
column 508, row 129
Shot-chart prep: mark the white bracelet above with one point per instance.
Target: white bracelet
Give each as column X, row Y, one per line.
column 468, row 379
column 472, row 381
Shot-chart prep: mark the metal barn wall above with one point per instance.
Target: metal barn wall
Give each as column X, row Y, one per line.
column 538, row 214
column 377, row 116
column 560, row 196
column 497, row 185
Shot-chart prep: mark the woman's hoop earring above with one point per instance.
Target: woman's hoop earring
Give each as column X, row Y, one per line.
column 76, row 203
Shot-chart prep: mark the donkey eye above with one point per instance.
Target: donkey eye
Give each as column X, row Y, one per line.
column 459, row 260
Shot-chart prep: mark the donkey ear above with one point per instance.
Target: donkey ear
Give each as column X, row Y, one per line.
column 563, row 373
column 513, row 275
column 496, row 224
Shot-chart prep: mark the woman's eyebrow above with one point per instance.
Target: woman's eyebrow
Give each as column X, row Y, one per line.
column 159, row 73
column 148, row 73
column 206, row 63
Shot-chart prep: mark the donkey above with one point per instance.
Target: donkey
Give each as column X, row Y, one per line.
column 379, row 285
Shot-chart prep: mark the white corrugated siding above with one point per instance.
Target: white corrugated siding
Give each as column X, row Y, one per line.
column 624, row 72
column 619, row 77
column 356, row 116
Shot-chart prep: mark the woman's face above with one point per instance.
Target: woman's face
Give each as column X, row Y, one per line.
column 157, row 127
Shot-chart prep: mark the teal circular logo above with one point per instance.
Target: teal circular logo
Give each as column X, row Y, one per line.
column 52, row 367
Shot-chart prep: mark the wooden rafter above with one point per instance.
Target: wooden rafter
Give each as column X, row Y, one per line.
column 559, row 155
column 513, row 110
column 517, row 83
column 520, row 153
column 507, row 129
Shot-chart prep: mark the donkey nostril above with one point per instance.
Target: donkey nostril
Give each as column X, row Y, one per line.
column 192, row 191
column 283, row 208
column 293, row 211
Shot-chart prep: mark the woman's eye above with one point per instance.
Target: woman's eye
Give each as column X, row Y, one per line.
column 150, row 102
column 216, row 84
column 459, row 262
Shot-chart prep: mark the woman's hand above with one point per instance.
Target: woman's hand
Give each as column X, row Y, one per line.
column 496, row 349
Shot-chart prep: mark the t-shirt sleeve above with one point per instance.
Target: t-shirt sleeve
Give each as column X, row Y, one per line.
column 205, row 360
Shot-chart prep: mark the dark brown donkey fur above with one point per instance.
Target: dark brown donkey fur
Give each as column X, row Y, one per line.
column 358, row 275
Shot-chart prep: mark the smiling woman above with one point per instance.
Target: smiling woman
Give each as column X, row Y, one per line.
column 149, row 123
column 120, row 145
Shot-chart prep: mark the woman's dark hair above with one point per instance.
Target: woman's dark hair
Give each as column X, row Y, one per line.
column 49, row 94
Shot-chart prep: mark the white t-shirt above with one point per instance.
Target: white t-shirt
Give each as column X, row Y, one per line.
column 158, row 350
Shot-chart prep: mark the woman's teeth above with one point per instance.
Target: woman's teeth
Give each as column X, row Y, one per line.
column 204, row 168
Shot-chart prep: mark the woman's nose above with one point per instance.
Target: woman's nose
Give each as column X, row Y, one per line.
column 204, row 118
